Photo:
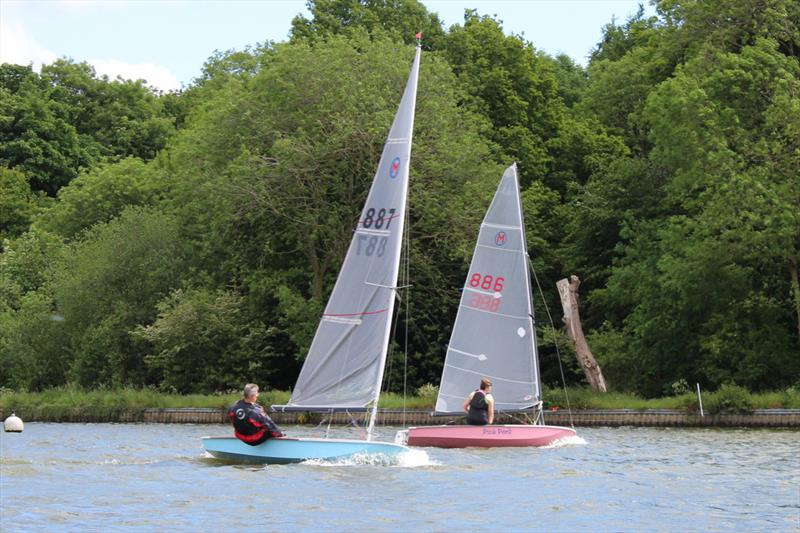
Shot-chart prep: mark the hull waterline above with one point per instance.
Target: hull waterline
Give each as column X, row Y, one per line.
column 291, row 450
column 494, row 436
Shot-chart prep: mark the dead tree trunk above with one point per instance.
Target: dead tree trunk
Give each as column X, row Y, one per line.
column 568, row 290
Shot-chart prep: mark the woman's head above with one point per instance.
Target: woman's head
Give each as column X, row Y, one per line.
column 485, row 383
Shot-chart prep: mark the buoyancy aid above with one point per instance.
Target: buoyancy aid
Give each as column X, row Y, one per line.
column 251, row 424
column 478, row 413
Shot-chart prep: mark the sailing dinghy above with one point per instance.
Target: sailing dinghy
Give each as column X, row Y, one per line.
column 345, row 364
column 493, row 336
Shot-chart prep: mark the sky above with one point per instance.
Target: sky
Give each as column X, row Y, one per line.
column 166, row 42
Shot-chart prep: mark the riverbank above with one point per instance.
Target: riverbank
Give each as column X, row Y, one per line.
column 730, row 406
column 758, row 418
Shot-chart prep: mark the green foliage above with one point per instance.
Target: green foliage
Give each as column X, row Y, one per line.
column 428, row 393
column 572, row 79
column 27, row 264
column 66, row 120
column 101, row 195
column 399, row 20
column 31, row 344
column 70, row 398
column 505, row 81
column 109, row 282
column 728, row 399
column 788, row 398
column 284, row 171
column 17, row 204
column 202, row 342
column 122, row 118
column 37, row 139
column 697, row 232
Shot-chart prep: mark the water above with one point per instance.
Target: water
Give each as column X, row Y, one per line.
column 143, row 477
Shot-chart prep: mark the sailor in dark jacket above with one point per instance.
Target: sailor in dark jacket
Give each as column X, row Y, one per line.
column 251, row 424
column 479, row 405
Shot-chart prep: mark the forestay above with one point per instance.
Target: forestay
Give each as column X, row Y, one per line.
column 344, row 366
column 493, row 335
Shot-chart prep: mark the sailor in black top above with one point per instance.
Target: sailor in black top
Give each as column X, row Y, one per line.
column 479, row 405
column 251, row 424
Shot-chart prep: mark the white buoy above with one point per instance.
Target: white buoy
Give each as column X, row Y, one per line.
column 13, row 424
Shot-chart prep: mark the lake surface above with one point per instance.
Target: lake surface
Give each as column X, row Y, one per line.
column 152, row 477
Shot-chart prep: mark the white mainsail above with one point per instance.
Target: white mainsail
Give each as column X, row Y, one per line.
column 345, row 364
column 493, row 335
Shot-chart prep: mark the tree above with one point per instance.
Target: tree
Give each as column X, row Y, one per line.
column 514, row 88
column 31, row 344
column 116, row 118
column 17, row 204
column 399, row 20
column 710, row 283
column 202, row 341
column 55, row 125
column 37, row 139
column 109, row 282
column 696, row 229
column 101, row 195
column 27, row 264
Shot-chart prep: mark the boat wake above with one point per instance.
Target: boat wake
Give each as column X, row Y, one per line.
column 409, row 459
column 415, row 458
column 572, row 440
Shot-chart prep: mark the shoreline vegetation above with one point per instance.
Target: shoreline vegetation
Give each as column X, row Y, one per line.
column 727, row 399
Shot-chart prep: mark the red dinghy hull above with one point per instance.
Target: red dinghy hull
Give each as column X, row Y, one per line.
column 494, row 436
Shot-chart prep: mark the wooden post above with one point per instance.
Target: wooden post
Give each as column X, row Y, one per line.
column 568, row 290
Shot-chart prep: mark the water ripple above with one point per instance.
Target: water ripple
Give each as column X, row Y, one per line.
column 142, row 477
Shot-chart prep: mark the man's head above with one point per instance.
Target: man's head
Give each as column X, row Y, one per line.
column 250, row 392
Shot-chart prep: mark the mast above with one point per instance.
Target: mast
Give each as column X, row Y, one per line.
column 411, row 88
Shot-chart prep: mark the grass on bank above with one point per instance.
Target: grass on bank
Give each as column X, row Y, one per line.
column 729, row 398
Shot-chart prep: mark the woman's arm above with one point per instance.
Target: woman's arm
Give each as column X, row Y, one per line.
column 491, row 411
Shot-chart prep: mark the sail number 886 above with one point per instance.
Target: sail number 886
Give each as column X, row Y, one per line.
column 486, row 282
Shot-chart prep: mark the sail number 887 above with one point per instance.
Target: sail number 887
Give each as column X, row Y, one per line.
column 378, row 218
column 371, row 245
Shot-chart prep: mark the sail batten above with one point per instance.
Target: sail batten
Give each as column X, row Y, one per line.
column 495, row 378
column 344, row 366
column 500, row 226
column 493, row 335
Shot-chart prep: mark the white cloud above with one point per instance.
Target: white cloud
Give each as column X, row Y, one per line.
column 157, row 76
column 19, row 48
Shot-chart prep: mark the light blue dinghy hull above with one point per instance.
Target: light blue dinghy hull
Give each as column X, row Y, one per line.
column 289, row 450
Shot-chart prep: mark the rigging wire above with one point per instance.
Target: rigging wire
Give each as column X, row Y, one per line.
column 555, row 341
column 405, row 277
column 408, row 301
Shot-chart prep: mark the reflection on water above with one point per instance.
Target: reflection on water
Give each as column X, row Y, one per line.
column 142, row 477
